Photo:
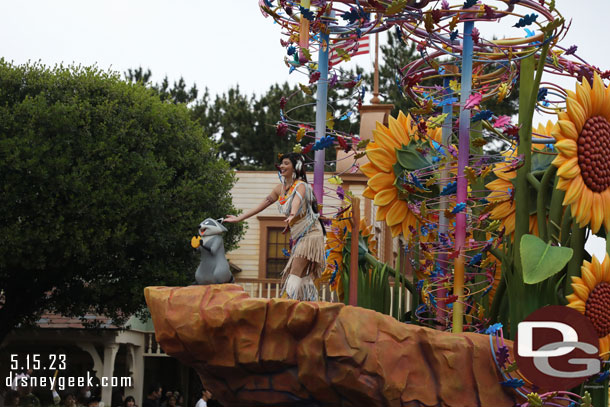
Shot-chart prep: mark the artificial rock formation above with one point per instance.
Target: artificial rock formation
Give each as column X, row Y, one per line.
column 279, row 352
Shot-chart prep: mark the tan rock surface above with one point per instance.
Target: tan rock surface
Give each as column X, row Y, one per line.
column 279, row 352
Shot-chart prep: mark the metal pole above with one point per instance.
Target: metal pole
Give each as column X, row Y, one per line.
column 353, row 263
column 321, row 107
column 462, row 182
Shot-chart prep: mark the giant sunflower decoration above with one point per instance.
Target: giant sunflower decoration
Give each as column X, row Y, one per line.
column 338, row 239
column 583, row 141
column 502, row 186
column 396, row 151
column 591, row 297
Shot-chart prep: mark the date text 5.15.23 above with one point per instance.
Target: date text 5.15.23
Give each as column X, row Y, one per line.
column 37, row 361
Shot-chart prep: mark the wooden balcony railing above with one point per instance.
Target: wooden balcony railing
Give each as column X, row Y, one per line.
column 271, row 288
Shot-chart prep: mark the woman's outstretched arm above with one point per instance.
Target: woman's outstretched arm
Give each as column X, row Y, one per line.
column 270, row 199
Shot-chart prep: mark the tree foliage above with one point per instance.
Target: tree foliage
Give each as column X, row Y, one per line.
column 103, row 184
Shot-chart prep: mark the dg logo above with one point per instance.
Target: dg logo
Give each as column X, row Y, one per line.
column 557, row 348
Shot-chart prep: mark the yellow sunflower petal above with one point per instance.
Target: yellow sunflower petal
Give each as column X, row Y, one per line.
column 573, row 192
column 606, row 206
column 568, row 129
column 588, row 276
column 382, row 159
column 382, row 180
column 567, row 147
column 503, row 210
column 384, row 197
column 606, row 269
column 382, row 128
column 369, row 169
column 560, row 159
column 583, row 94
column 604, row 347
column 368, row 193
column 397, row 213
column 409, row 220
column 581, row 291
column 572, row 297
column 597, row 212
column 596, row 269
column 402, row 119
column 398, row 131
column 381, row 213
column 396, row 230
column 509, row 223
column 584, row 206
column 569, row 169
column 598, row 95
column 605, row 108
column 385, row 141
column 576, row 113
column 563, row 184
column 578, row 306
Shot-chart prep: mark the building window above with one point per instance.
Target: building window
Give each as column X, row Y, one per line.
column 276, row 244
column 271, row 261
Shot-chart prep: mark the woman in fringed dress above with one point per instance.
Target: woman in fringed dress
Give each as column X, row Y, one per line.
column 297, row 202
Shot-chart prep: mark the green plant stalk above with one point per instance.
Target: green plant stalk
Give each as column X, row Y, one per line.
column 374, row 262
column 577, row 244
column 543, row 229
column 555, row 211
column 533, row 181
column 523, row 296
column 566, row 225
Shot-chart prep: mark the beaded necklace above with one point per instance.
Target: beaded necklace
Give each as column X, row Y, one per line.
column 284, row 197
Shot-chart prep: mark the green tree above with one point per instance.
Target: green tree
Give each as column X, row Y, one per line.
column 178, row 93
column 103, row 185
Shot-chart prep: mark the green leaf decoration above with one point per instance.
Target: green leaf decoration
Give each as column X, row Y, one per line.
column 411, row 159
column 396, row 7
column 540, row 260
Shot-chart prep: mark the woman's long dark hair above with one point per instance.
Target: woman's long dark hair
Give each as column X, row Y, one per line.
column 295, row 158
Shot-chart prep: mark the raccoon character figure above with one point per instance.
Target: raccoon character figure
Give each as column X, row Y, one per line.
column 213, row 267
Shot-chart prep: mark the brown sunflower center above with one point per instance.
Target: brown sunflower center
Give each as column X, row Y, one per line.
column 593, row 153
column 597, row 308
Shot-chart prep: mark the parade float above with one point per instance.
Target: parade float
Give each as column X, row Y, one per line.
column 493, row 211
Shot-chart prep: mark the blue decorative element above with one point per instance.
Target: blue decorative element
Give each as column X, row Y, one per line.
column 476, row 259
column 514, row 383
column 419, row 285
column 459, row 207
column 469, row 3
column 453, row 35
column 450, row 188
column 484, row 201
column 529, row 33
column 291, row 50
column 492, row 329
column 447, row 101
column 327, row 253
column 441, row 70
column 307, row 13
column 286, row 252
column 417, row 183
column 424, row 231
column 542, row 94
column 483, row 115
column 268, row 3
column 334, row 273
column 346, row 116
column 528, row 19
column 602, row 376
column 397, row 80
column 292, row 69
column 323, row 143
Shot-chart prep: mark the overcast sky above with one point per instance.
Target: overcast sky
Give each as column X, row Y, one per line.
column 211, row 43
column 215, row 44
